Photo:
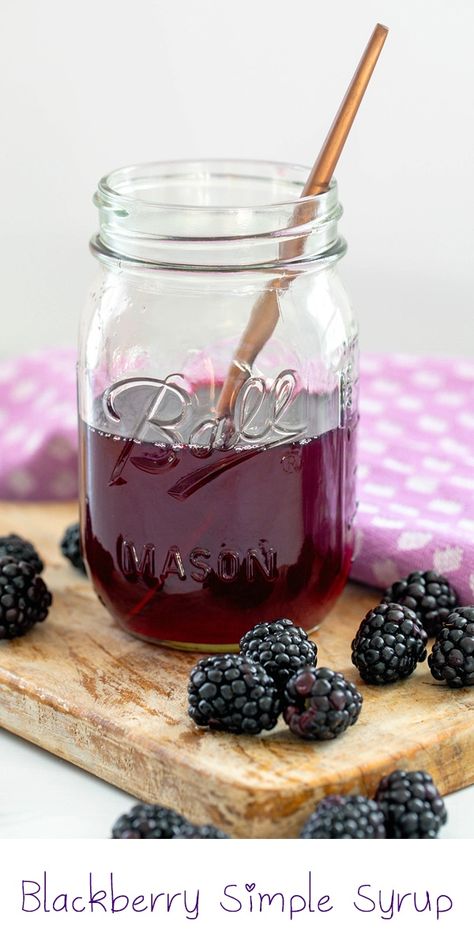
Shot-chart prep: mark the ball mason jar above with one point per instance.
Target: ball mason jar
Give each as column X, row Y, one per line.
column 217, row 402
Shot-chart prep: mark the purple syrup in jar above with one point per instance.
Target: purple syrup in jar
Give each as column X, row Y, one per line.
column 191, row 543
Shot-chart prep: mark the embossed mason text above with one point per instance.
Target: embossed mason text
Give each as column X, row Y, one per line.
column 151, row 566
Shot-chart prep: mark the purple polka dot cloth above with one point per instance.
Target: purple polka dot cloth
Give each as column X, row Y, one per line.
column 415, row 471
column 38, row 427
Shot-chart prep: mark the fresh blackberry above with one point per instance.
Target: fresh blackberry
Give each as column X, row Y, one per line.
column 345, row 817
column 428, row 594
column 412, row 806
column 232, row 693
column 189, row 831
column 148, row 821
column 389, row 644
column 452, row 657
column 24, row 598
column 71, row 547
column 319, row 704
column 20, row 549
column 281, row 647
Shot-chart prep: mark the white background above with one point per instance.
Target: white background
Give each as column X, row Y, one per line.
column 90, row 86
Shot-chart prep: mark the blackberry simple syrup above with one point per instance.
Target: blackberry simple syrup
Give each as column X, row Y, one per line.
column 193, row 545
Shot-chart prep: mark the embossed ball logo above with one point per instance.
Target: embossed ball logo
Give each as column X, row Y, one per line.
column 170, row 416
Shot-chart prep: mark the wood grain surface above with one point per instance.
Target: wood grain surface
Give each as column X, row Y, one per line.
column 83, row 689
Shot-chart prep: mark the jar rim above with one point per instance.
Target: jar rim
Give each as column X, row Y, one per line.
column 108, row 189
column 184, row 214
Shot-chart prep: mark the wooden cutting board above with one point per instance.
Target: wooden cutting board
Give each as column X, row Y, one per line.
column 81, row 688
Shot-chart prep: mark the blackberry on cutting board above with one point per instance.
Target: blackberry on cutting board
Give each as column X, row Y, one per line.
column 452, row 657
column 389, row 644
column 20, row 549
column 412, row 805
column 232, row 693
column 24, row 598
column 148, row 821
column 319, row 704
column 281, row 647
column 428, row 594
column 345, row 817
column 189, row 831
column 71, row 547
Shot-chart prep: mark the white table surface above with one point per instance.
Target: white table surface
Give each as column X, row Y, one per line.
column 42, row 796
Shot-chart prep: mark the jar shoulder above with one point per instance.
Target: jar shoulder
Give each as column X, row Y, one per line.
column 313, row 306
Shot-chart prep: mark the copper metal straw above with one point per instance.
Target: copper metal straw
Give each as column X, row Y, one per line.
column 265, row 313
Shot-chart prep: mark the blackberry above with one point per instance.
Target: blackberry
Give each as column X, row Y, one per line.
column 452, row 657
column 412, row 806
column 24, row 598
column 232, row 693
column 281, row 647
column 428, row 594
column 320, row 704
column 345, row 817
column 71, row 547
column 389, row 644
column 148, row 821
column 20, row 549
column 189, row 831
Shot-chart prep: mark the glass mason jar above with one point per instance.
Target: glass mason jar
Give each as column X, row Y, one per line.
column 217, row 401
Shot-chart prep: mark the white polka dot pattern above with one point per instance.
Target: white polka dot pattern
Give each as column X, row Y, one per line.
column 416, row 470
column 411, row 540
column 38, row 433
